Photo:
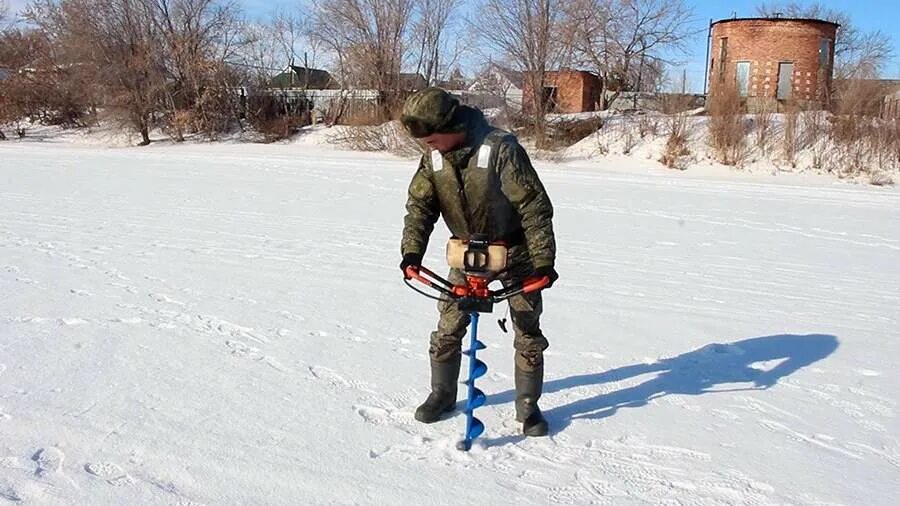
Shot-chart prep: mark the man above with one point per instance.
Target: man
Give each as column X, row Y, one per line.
column 480, row 180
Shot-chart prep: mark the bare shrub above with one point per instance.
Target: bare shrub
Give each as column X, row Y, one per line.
column 629, row 140
column 791, row 134
column 727, row 129
column 763, row 120
column 279, row 128
column 676, row 152
column 566, row 133
column 39, row 89
column 864, row 143
column 647, row 125
column 362, row 114
column 816, row 138
column 675, row 103
column 390, row 137
column 275, row 117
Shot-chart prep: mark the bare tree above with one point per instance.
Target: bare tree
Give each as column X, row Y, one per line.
column 857, row 53
column 368, row 38
column 431, row 37
column 149, row 62
column 4, row 14
column 627, row 41
column 112, row 44
column 527, row 32
column 198, row 38
column 34, row 86
column 260, row 55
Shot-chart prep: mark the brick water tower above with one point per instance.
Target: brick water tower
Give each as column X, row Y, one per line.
column 773, row 61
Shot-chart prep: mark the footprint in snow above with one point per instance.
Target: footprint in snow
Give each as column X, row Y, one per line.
column 72, row 321
column 113, row 474
column 329, row 376
column 291, row 316
column 49, row 460
column 132, row 320
column 163, row 298
column 9, row 493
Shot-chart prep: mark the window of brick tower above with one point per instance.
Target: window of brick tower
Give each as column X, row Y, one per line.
column 723, row 55
column 824, row 52
column 785, row 80
column 743, row 78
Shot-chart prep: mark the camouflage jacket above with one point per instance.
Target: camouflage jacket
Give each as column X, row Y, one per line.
column 504, row 199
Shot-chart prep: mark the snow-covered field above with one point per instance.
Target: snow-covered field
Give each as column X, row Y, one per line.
column 226, row 324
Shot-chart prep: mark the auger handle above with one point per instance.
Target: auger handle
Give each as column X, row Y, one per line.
column 535, row 283
column 436, row 282
column 528, row 285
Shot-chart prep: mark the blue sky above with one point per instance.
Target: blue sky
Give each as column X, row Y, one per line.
column 869, row 15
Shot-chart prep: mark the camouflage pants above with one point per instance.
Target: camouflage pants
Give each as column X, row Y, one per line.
column 525, row 312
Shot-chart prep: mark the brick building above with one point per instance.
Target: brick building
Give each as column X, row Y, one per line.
column 567, row 91
column 773, row 60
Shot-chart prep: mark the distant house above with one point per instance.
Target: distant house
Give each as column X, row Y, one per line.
column 304, row 78
column 500, row 81
column 456, row 81
column 568, row 91
column 497, row 78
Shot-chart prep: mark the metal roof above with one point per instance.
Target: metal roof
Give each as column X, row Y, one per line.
column 805, row 20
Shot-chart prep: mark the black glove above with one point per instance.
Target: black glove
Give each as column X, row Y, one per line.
column 410, row 260
column 549, row 272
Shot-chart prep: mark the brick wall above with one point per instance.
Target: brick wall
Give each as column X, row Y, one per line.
column 576, row 90
column 766, row 43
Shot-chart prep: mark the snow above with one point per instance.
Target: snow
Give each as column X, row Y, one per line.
column 641, row 139
column 225, row 324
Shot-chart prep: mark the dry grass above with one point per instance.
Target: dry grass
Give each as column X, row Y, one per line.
column 762, row 121
column 727, row 129
column 676, row 152
column 390, row 137
column 359, row 115
column 791, row 134
column 815, row 127
column 648, row 125
column 272, row 117
column 280, row 128
column 864, row 144
column 562, row 134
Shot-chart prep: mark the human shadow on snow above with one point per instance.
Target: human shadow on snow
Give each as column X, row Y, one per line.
column 693, row 373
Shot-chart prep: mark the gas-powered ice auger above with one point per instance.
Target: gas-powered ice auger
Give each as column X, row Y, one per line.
column 482, row 262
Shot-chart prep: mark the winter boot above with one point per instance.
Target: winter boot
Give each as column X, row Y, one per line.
column 442, row 398
column 528, row 391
